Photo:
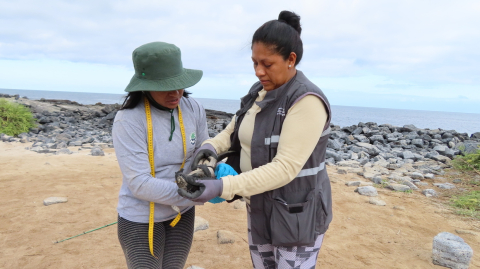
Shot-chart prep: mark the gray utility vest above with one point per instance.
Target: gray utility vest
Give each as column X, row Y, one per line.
column 295, row 214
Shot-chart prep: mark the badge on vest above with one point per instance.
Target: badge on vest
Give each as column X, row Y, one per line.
column 193, row 138
column 281, row 112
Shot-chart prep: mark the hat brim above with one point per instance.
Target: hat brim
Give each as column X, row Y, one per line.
column 187, row 79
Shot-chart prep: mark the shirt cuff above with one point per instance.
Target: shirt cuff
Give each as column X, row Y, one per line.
column 227, row 188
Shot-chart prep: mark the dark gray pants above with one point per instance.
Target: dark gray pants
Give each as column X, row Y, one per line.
column 171, row 245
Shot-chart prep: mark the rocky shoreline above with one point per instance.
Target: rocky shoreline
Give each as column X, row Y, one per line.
column 400, row 157
column 64, row 123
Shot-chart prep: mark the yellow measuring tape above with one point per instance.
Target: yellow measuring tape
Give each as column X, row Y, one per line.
column 152, row 168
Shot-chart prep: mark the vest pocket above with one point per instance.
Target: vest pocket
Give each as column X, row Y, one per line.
column 293, row 224
column 321, row 215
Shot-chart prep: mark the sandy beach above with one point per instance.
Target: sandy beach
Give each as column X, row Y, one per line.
column 362, row 235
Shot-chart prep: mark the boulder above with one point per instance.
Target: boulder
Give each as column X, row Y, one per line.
column 398, row 187
column 417, row 142
column 357, row 131
column 410, row 185
column 408, row 155
column 451, row 251
column 450, row 153
column 349, row 164
column 370, row 149
column 376, row 179
column 445, row 186
column 63, row 137
column 334, row 144
column 429, row 192
column 332, row 154
column 429, row 176
column 378, row 138
column 367, row 191
column 441, row 158
column 408, row 128
column 440, row 149
column 416, row 175
column 362, row 139
column 468, row 147
column 475, row 135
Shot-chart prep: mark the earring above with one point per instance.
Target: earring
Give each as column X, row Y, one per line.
column 289, row 66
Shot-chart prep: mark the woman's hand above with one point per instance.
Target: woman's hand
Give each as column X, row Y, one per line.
column 198, row 190
column 202, row 155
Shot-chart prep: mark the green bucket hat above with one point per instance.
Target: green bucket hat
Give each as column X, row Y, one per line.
column 158, row 68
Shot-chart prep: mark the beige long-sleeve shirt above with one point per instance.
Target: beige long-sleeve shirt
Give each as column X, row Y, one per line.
column 302, row 128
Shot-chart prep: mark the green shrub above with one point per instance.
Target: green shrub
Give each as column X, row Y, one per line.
column 468, row 162
column 15, row 118
column 469, row 201
column 469, row 204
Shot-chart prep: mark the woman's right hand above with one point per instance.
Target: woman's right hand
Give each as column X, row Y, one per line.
column 196, row 189
column 201, row 155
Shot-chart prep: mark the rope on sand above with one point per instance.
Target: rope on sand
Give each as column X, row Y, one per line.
column 85, row 232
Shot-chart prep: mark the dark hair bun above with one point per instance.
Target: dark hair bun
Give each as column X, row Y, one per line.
column 291, row 19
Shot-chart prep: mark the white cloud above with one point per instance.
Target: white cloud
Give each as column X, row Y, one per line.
column 418, row 48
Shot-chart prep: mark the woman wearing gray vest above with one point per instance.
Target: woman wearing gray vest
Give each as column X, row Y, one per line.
column 280, row 136
column 155, row 133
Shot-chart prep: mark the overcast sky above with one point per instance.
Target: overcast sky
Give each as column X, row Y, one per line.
column 405, row 54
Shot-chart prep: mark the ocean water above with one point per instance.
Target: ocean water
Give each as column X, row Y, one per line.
column 342, row 115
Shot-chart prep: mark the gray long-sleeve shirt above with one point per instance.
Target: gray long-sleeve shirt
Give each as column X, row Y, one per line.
column 139, row 188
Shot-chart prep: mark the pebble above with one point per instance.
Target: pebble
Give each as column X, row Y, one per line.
column 55, row 200
column 375, row 201
column 63, row 151
column 225, row 237
column 97, row 152
column 465, row 232
column 238, row 204
column 353, row 183
column 200, row 224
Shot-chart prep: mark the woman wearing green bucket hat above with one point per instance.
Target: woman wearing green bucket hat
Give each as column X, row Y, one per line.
column 155, row 134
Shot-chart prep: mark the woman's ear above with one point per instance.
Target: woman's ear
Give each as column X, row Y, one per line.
column 292, row 58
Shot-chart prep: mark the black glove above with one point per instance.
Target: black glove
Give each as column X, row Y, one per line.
column 202, row 153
